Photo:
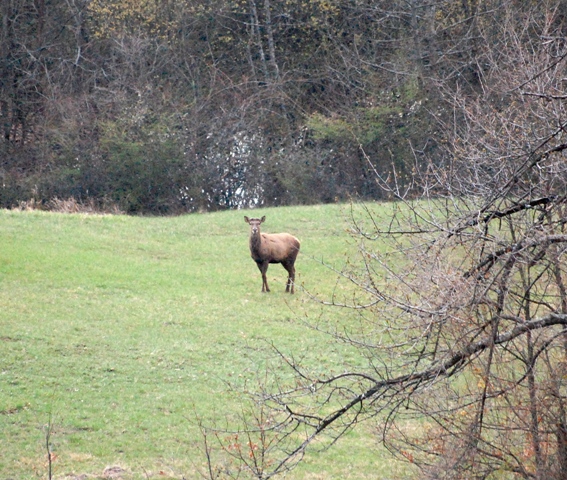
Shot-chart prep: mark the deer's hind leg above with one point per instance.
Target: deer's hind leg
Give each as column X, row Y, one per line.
column 290, row 267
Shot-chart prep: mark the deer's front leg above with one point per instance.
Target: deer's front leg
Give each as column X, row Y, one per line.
column 263, row 266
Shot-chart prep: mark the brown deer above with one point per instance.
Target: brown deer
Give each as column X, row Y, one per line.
column 266, row 248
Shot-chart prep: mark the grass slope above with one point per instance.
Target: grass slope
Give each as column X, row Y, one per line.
column 114, row 329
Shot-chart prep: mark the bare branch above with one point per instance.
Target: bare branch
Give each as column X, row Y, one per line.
column 445, row 368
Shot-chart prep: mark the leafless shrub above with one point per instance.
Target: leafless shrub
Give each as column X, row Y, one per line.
column 71, row 205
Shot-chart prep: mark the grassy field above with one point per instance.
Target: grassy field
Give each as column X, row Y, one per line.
column 115, row 329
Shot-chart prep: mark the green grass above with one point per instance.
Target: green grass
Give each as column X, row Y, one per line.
column 116, row 329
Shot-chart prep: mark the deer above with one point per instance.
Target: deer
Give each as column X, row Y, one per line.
column 266, row 248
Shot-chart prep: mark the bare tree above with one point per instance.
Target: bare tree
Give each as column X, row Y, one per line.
column 459, row 303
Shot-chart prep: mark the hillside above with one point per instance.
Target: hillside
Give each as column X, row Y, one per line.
column 116, row 331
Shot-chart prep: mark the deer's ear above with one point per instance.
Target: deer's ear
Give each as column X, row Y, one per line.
column 263, row 219
column 246, row 219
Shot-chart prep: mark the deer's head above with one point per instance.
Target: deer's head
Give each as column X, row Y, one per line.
column 254, row 224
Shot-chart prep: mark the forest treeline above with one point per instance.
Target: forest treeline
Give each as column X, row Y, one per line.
column 171, row 106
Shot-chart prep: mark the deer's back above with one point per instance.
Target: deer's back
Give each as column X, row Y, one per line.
column 279, row 246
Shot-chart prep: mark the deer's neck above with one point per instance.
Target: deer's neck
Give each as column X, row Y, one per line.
column 256, row 243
